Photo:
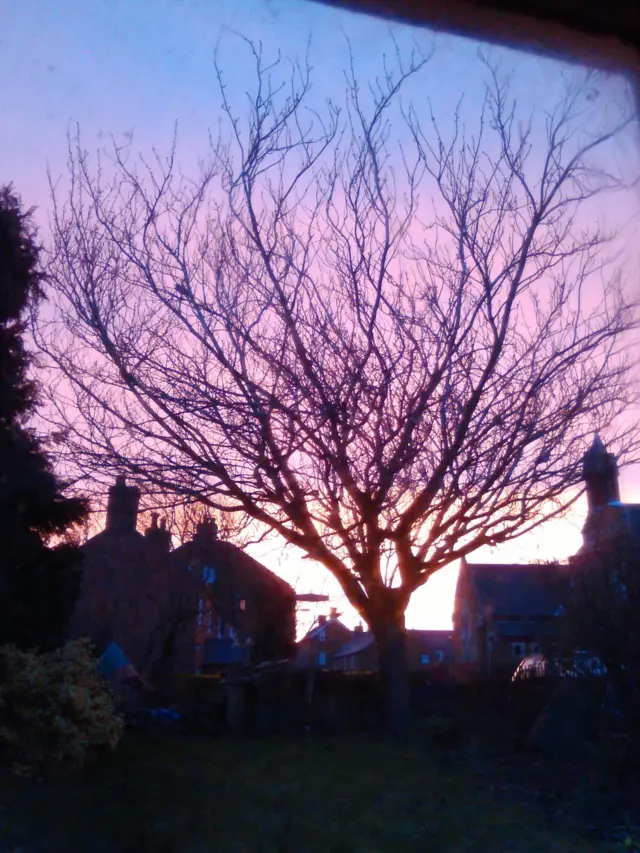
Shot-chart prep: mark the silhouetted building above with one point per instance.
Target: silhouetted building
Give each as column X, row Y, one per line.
column 504, row 612
column 428, row 651
column 317, row 648
column 162, row 605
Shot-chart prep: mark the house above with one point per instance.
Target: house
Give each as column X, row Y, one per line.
column 123, row 588
column 504, row 612
column 234, row 598
column 162, row 605
column 317, row 648
column 427, row 651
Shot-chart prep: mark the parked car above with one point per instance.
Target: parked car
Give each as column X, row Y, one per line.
column 579, row 665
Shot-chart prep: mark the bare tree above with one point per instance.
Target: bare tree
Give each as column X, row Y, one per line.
column 299, row 336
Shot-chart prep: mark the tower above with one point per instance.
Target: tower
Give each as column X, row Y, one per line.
column 600, row 473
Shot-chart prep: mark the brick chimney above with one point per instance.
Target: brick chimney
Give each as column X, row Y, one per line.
column 333, row 614
column 322, row 620
column 206, row 531
column 122, row 508
column 159, row 536
column 358, row 629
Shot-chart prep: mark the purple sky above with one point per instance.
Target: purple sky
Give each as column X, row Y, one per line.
column 120, row 68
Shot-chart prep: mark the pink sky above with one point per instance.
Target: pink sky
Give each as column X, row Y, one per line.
column 135, row 68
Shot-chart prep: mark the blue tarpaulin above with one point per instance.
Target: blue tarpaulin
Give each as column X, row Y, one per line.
column 113, row 659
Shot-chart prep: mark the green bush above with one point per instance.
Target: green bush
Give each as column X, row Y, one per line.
column 55, row 708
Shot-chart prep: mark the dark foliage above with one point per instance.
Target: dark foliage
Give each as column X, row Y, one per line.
column 601, row 618
column 38, row 584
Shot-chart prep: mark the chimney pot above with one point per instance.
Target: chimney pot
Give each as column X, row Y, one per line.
column 359, row 629
column 207, row 530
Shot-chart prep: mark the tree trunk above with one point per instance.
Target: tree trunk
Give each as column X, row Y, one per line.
column 394, row 674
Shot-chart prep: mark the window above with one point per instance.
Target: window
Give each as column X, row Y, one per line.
column 197, row 647
column 322, row 659
column 518, row 650
column 208, row 574
column 243, row 604
column 210, row 618
column 534, row 647
column 424, row 659
column 439, row 655
column 322, row 636
column 200, row 611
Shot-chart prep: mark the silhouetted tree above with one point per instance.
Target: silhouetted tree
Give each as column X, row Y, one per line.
column 304, row 336
column 38, row 584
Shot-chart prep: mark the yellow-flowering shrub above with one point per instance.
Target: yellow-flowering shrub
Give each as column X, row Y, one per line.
column 55, row 707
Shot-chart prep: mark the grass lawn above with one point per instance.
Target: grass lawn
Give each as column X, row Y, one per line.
column 161, row 794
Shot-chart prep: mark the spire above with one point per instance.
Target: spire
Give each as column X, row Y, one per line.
column 596, row 455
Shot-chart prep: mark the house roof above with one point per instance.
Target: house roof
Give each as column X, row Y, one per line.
column 322, row 626
column 516, row 589
column 110, row 538
column 358, row 643
column 424, row 638
column 223, row 554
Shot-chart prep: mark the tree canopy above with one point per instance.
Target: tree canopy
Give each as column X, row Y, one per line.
column 38, row 584
column 390, row 354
